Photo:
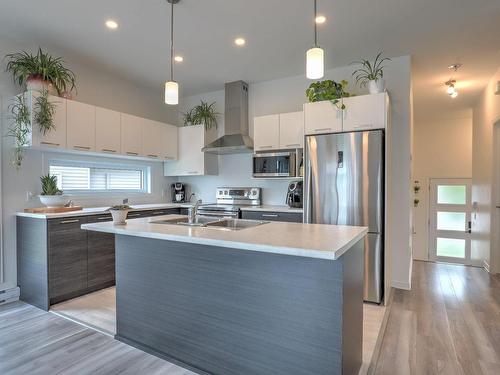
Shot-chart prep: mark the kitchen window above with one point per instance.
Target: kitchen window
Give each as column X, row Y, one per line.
column 82, row 177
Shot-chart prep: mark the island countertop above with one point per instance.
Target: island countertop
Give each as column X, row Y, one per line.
column 304, row 240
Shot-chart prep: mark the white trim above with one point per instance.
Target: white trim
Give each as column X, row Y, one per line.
column 406, row 285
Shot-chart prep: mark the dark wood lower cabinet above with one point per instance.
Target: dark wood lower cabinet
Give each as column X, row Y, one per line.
column 57, row 260
column 67, row 245
column 293, row 217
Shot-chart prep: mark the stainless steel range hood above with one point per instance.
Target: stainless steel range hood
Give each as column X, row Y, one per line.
column 235, row 139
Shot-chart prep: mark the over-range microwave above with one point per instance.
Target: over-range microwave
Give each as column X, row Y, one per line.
column 277, row 164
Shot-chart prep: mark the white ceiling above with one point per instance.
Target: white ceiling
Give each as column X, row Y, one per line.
column 435, row 32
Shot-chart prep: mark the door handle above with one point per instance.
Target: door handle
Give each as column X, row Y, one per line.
column 469, row 227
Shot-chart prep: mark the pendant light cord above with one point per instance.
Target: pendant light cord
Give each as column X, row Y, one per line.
column 315, row 26
column 172, row 42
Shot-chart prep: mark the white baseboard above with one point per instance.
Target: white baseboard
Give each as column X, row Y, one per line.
column 9, row 295
column 401, row 285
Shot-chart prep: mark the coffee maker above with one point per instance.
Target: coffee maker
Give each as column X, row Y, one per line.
column 294, row 195
column 178, row 192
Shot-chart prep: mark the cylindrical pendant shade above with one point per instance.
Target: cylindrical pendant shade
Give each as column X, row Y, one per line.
column 171, row 93
column 315, row 66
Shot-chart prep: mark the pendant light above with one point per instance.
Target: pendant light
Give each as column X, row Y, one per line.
column 315, row 57
column 172, row 87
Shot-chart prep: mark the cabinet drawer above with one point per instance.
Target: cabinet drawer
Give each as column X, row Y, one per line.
column 273, row 216
column 66, row 223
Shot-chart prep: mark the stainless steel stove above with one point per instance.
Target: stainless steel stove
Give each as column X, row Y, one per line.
column 229, row 200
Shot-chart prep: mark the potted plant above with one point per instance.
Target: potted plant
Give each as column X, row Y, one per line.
column 119, row 213
column 328, row 90
column 41, row 72
column 20, row 128
column 202, row 114
column 51, row 195
column 371, row 74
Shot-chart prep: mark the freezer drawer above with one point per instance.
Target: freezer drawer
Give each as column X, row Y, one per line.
column 374, row 274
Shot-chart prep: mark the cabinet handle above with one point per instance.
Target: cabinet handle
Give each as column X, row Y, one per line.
column 132, row 153
column 69, row 221
column 266, row 146
column 193, row 172
column 50, row 143
column 293, row 145
column 269, row 215
column 169, row 158
column 134, row 215
column 322, row 129
column 108, row 150
column 152, row 156
column 363, row 126
column 104, row 218
column 82, row 147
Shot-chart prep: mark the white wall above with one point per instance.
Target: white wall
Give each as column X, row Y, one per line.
column 485, row 221
column 442, row 149
column 95, row 86
column 288, row 94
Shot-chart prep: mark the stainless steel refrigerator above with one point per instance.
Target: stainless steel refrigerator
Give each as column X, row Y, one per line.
column 344, row 185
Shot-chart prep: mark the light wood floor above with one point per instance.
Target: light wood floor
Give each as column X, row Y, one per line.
column 449, row 323
column 98, row 310
column 35, row 342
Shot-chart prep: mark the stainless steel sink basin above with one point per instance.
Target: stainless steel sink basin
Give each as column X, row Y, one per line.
column 200, row 221
column 211, row 222
column 235, row 224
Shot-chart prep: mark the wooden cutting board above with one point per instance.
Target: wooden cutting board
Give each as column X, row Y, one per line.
column 52, row 210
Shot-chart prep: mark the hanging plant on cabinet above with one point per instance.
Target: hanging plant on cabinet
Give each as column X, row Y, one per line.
column 44, row 112
column 328, row 90
column 202, row 114
column 20, row 129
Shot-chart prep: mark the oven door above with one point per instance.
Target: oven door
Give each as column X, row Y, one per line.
column 277, row 164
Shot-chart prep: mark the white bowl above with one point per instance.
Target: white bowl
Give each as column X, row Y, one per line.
column 53, row 200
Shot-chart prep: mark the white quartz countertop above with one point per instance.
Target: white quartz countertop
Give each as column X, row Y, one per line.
column 102, row 210
column 305, row 240
column 274, row 208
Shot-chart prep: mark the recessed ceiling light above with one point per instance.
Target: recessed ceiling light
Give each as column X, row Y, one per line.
column 239, row 41
column 320, row 19
column 179, row 58
column 111, row 24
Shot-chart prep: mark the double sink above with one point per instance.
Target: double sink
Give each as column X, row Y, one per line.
column 210, row 222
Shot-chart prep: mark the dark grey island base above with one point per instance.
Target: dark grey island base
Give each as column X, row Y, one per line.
column 224, row 311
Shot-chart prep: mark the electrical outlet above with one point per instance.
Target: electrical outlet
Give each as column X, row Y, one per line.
column 29, row 196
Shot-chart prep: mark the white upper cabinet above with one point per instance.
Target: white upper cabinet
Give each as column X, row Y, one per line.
column 131, row 135
column 266, row 132
column 80, row 126
column 292, row 130
column 169, row 142
column 152, row 139
column 191, row 160
column 365, row 112
column 56, row 137
column 322, row 117
column 107, row 132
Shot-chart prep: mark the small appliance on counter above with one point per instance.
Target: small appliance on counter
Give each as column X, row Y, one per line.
column 294, row 195
column 178, row 191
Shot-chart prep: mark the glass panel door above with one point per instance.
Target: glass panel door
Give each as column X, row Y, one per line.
column 450, row 215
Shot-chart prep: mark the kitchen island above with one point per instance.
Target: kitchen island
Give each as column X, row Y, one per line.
column 276, row 298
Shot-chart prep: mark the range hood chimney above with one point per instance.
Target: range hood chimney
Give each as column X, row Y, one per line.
column 235, row 139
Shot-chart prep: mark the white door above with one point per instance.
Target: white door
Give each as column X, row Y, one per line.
column 266, row 132
column 322, row 117
column 80, row 126
column 450, row 220
column 107, row 131
column 365, row 112
column 292, row 130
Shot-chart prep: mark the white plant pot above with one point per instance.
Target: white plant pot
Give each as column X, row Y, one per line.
column 119, row 216
column 53, row 200
column 376, row 87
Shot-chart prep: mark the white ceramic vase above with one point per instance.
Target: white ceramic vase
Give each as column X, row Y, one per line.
column 53, row 200
column 377, row 86
column 119, row 216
